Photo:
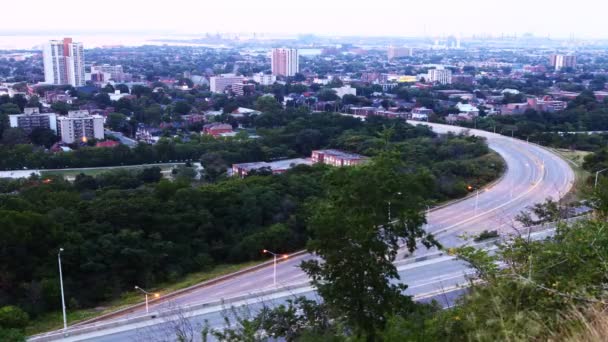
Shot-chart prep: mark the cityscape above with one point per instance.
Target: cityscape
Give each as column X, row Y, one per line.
column 275, row 181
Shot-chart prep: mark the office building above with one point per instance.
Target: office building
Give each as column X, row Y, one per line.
column 397, row 52
column 64, row 63
column 264, row 79
column 218, row 84
column 440, row 75
column 285, row 62
column 79, row 126
column 32, row 119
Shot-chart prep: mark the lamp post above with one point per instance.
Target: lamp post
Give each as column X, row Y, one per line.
column 146, row 293
column 65, row 320
column 597, row 174
column 274, row 273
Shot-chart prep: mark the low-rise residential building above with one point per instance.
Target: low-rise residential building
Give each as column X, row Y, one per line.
column 345, row 90
column 337, row 158
column 79, row 125
column 276, row 167
column 216, row 129
column 421, row 113
column 32, row 119
column 467, row 108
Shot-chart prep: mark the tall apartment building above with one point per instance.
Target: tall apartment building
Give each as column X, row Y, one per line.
column 64, row 63
column 440, row 75
column 218, row 84
column 79, row 125
column 562, row 61
column 264, row 79
column 32, row 119
column 396, row 52
column 285, row 62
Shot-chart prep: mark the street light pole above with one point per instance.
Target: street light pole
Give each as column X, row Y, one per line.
column 597, row 175
column 146, row 293
column 65, row 320
column 274, row 271
column 476, row 201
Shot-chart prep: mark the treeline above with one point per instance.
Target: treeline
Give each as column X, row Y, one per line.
column 117, row 233
column 551, row 129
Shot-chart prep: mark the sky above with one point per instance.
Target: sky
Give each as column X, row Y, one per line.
column 556, row 18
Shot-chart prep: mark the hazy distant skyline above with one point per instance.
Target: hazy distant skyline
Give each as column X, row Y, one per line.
column 581, row 19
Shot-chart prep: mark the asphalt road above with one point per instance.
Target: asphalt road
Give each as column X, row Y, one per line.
column 533, row 175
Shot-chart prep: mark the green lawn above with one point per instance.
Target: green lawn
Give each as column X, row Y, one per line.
column 54, row 321
column 576, row 159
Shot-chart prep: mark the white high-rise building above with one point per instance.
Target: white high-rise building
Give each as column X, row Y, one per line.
column 64, row 63
column 285, row 62
column 79, row 125
column 440, row 75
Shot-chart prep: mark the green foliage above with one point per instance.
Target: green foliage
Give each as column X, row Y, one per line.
column 117, row 122
column 13, row 317
column 358, row 242
column 486, row 234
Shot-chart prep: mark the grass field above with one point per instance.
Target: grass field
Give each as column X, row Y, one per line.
column 576, row 159
column 54, row 320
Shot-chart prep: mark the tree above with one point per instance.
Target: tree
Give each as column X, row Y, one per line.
column 181, row 107
column 151, row 175
column 117, row 122
column 326, row 94
column 358, row 241
column 13, row 317
column 61, row 107
column 43, row 137
column 124, row 89
column 214, row 166
column 108, row 89
column 267, row 104
column 14, row 136
column 9, row 108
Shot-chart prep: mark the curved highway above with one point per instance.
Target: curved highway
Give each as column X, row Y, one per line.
column 533, row 175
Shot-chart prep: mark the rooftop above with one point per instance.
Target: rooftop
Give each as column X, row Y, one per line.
column 340, row 154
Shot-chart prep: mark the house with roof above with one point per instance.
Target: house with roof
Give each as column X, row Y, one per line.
column 216, row 129
column 467, row 108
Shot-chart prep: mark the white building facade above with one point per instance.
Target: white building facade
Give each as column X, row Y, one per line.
column 218, row 84
column 64, row 63
column 264, row 79
column 79, row 126
column 440, row 75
